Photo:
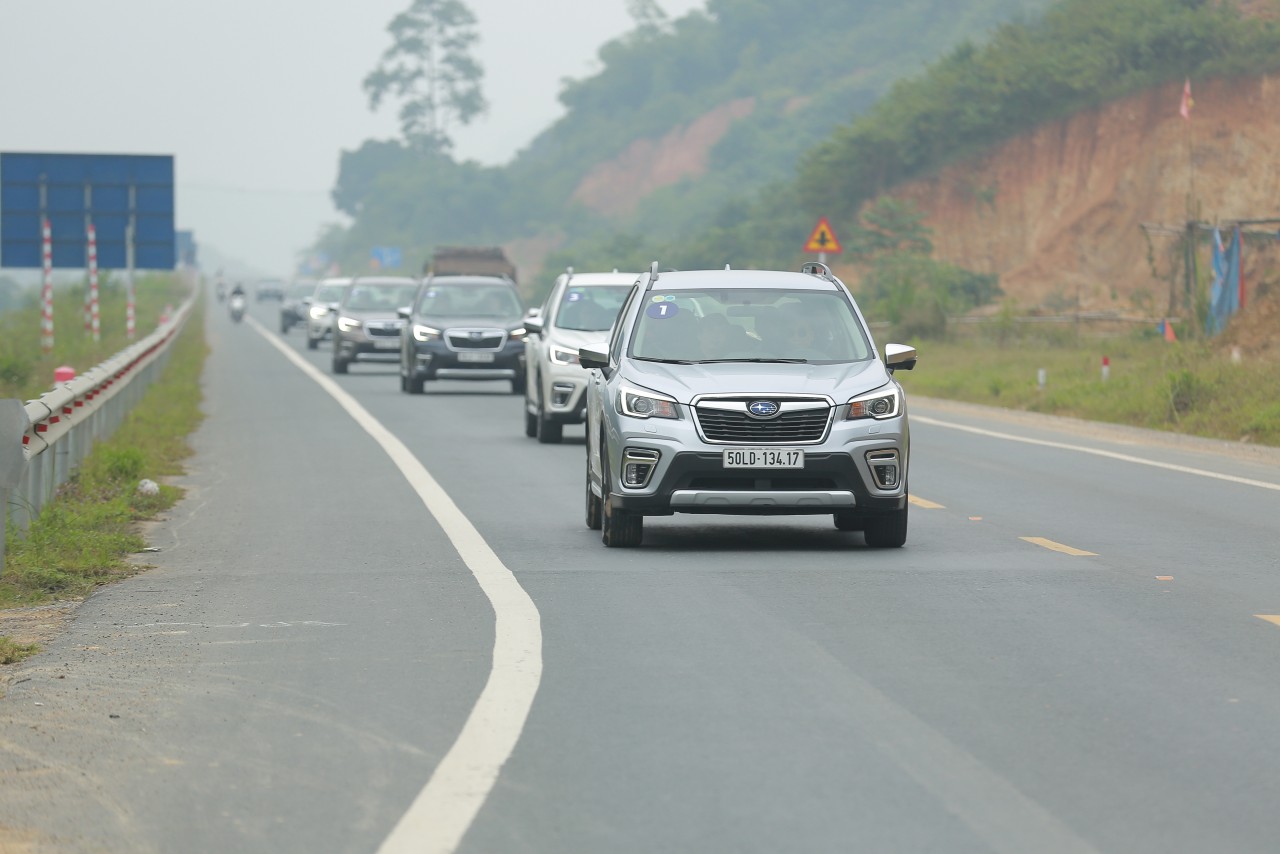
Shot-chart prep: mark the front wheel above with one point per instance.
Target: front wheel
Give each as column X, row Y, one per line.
column 888, row 531
column 518, row 384
column 594, row 508
column 312, row 343
column 530, row 421
column 340, row 366
column 619, row 529
column 414, row 385
column 549, row 432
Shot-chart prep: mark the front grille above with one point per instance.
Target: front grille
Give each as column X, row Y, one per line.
column 486, row 339
column 382, row 331
column 725, row 426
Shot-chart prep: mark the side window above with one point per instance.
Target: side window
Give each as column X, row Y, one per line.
column 615, row 346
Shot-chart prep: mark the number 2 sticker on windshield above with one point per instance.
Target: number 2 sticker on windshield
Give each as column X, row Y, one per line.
column 662, row 310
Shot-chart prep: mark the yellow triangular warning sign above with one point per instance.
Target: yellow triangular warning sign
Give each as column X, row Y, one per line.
column 823, row 239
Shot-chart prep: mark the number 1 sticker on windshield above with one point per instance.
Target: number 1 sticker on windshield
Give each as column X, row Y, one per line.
column 662, row 310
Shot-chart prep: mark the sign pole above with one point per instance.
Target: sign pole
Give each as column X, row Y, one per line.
column 129, row 236
column 46, row 264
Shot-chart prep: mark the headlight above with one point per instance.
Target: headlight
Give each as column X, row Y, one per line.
column 879, row 404
column 518, row 334
column 425, row 333
column 317, row 312
column 564, row 357
column 646, row 404
column 346, row 324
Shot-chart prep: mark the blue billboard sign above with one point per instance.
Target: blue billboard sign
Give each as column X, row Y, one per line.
column 73, row 189
column 386, row 257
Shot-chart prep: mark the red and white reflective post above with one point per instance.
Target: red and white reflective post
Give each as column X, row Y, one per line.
column 95, row 322
column 46, row 288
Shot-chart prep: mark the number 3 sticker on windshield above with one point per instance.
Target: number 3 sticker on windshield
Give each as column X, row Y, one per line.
column 662, row 310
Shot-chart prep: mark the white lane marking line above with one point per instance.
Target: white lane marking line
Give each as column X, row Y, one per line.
column 443, row 811
column 1098, row 452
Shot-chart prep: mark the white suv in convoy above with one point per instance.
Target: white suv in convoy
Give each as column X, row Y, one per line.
column 579, row 312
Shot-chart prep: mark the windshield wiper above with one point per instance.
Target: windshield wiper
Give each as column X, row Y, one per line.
column 757, row 361
column 664, row 361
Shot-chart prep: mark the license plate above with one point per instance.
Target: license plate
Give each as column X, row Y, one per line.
column 482, row 358
column 388, row 344
column 764, row 458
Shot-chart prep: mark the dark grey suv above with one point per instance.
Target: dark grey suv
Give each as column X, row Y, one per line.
column 465, row 328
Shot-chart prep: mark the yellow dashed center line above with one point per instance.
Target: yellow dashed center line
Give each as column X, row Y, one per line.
column 924, row 503
column 1270, row 618
column 1057, row 547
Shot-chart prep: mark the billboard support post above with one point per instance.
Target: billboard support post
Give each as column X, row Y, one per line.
column 46, row 264
column 130, row 233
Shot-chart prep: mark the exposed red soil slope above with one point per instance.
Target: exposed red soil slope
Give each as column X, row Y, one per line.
column 1057, row 212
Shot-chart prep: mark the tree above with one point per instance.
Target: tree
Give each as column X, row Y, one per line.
column 430, row 69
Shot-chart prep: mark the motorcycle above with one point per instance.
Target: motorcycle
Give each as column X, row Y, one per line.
column 237, row 306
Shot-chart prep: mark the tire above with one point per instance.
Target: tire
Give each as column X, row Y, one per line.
column 530, row 421
column 619, row 529
column 312, row 343
column 284, row 327
column 518, row 384
column 404, row 383
column 888, row 531
column 340, row 365
column 549, row 432
column 595, row 510
column 848, row 520
column 415, row 385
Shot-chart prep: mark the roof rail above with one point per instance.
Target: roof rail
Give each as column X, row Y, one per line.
column 817, row 268
column 653, row 273
column 727, row 268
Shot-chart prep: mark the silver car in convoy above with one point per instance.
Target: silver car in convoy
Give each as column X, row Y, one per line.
column 320, row 307
column 366, row 323
column 579, row 312
column 746, row 392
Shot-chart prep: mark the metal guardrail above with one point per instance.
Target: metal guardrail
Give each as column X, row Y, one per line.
column 43, row 442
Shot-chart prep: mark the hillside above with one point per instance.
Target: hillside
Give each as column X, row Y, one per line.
column 684, row 117
column 1057, row 212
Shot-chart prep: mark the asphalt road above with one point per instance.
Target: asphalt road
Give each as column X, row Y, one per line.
column 310, row 644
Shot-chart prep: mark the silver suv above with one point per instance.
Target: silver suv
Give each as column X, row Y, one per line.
column 579, row 312
column 746, row 392
column 367, row 322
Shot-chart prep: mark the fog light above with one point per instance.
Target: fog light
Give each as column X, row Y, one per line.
column 884, row 468
column 560, row 394
column 637, row 466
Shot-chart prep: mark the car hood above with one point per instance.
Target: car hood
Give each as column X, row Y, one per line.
column 469, row 322
column 570, row 339
column 685, row 382
column 370, row 315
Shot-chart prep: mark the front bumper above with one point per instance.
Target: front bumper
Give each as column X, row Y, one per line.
column 350, row 345
column 689, row 475
column 564, row 393
column 435, row 360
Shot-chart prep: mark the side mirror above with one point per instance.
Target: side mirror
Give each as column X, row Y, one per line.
column 306, row 300
column 404, row 312
column 333, row 306
column 533, row 325
column 899, row 357
column 589, row 358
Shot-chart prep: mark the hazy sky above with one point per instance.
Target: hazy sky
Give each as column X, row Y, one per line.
column 256, row 98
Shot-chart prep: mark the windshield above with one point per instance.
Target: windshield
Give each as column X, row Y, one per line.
column 383, row 297
column 470, row 301
column 591, row 308
column 329, row 293
column 305, row 289
column 725, row 324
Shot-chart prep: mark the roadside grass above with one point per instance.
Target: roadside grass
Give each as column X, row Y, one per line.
column 1181, row 387
column 26, row 372
column 83, row 538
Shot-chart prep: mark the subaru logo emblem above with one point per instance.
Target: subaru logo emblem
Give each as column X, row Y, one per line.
column 476, row 336
column 762, row 408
